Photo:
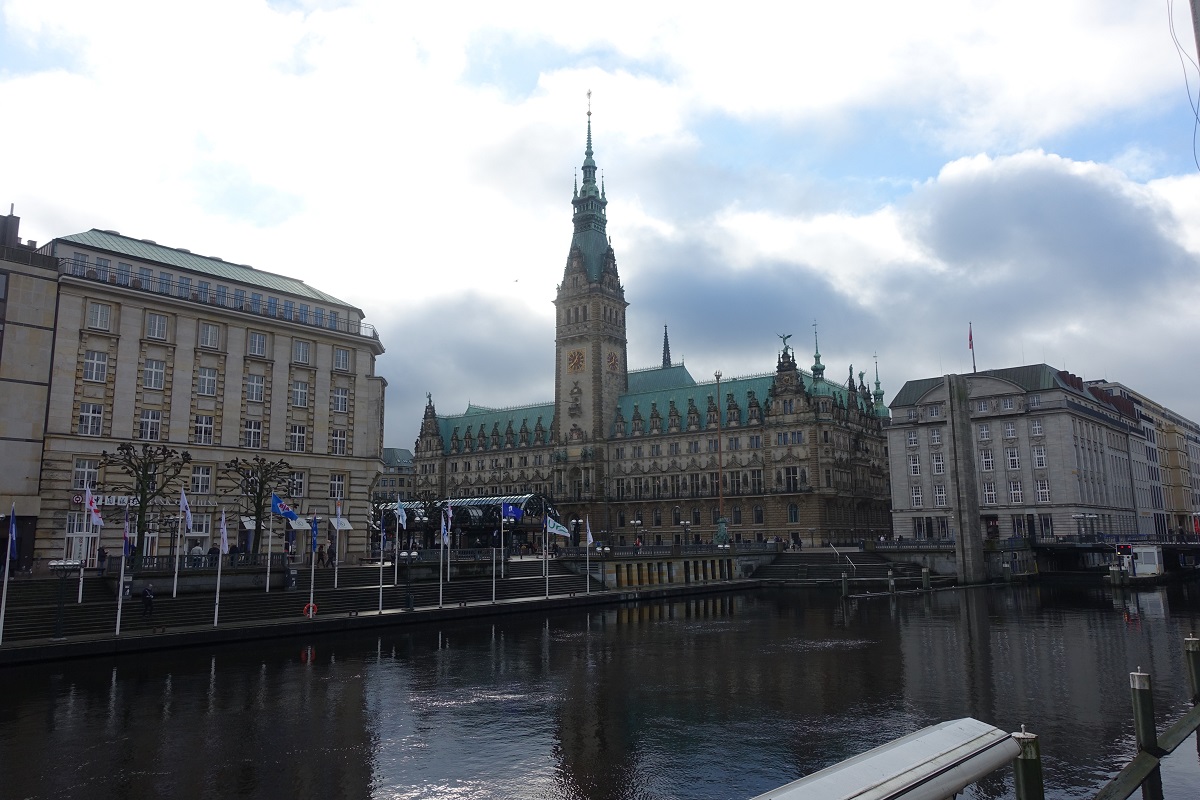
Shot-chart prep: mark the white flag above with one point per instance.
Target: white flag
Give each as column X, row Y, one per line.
column 588, row 523
column 224, row 534
column 185, row 510
column 445, row 528
column 93, row 510
column 401, row 517
column 557, row 528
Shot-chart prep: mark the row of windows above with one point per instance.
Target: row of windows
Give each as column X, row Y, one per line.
column 99, row 317
column 91, row 423
column 985, row 432
column 983, row 405
column 202, row 290
column 1016, row 493
column 86, row 475
column 711, row 445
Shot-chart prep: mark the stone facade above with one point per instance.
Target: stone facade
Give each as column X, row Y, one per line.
column 654, row 454
column 156, row 344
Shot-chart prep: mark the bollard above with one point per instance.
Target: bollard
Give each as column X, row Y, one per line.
column 1027, row 767
column 1114, row 575
column 1143, row 712
column 891, row 582
column 845, row 585
column 1191, row 654
column 925, row 578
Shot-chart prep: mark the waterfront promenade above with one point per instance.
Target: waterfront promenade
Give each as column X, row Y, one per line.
column 38, row 627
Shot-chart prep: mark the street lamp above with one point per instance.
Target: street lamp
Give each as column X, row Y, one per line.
column 605, row 552
column 62, row 568
column 1090, row 524
column 408, row 556
column 576, row 524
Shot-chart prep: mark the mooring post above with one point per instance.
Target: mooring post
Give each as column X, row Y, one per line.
column 1027, row 767
column 1191, row 654
column 1143, row 711
column 845, row 585
column 891, row 582
column 925, row 578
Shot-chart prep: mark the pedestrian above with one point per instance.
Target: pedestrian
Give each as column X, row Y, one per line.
column 233, row 555
column 320, row 555
column 148, row 600
column 214, row 553
column 101, row 560
column 331, row 556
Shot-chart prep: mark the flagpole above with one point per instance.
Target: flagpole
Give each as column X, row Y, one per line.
column 120, row 592
column 441, row 560
column 545, row 562
column 312, row 561
column 395, row 546
column 217, row 603
column 381, row 544
column 587, row 557
column 178, row 534
column 270, row 536
column 493, row 574
column 337, row 544
column 502, row 560
column 7, row 564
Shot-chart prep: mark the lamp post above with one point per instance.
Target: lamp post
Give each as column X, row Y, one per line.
column 637, row 530
column 408, row 556
column 576, row 524
column 63, row 568
column 1090, row 524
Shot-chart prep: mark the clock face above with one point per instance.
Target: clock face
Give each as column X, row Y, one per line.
column 575, row 361
column 614, row 362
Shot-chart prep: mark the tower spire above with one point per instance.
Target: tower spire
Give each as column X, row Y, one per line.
column 818, row 369
column 590, row 217
column 666, row 349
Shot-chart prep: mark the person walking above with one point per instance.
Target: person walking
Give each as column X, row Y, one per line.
column 101, row 561
column 148, row 600
column 320, row 555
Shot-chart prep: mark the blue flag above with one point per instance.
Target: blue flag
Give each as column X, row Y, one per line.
column 314, row 534
column 510, row 511
column 282, row 509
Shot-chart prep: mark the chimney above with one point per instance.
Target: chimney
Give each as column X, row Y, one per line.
column 9, row 227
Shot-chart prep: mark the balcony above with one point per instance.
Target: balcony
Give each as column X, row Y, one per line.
column 188, row 292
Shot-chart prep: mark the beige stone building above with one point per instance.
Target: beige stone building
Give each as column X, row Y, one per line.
column 158, row 344
column 655, row 454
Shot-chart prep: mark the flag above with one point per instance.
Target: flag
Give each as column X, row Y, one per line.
column 314, row 533
column 185, row 510
column 12, row 533
column 513, row 512
column 588, row 524
column 127, row 545
column 445, row 527
column 557, row 528
column 224, row 534
column 401, row 517
column 970, row 337
column 280, row 508
column 93, row 510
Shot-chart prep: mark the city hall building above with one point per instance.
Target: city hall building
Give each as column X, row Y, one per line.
column 654, row 454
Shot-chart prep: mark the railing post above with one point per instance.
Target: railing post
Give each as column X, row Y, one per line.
column 1027, row 767
column 845, row 585
column 1140, row 687
column 925, row 578
column 1191, row 654
column 891, row 582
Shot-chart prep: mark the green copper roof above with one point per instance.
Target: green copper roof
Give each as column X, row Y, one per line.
column 489, row 418
column 589, row 216
column 658, row 378
column 216, row 268
column 1029, row 378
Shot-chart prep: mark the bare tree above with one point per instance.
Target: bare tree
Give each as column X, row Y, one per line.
column 151, row 474
column 253, row 481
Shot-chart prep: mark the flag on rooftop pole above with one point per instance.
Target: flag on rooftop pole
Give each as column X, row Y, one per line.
column 971, row 344
column 8, row 559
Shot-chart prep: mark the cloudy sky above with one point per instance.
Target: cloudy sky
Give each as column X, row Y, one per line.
column 891, row 171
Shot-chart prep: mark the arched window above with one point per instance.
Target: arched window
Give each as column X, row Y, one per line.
column 793, row 514
column 716, row 515
column 620, row 519
column 758, row 515
column 676, row 516
column 658, row 517
column 695, row 516
column 737, row 515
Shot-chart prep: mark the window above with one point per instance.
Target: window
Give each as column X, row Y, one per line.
column 939, row 464
column 91, row 419
column 184, row 287
column 982, row 405
column 289, row 309
column 939, row 495
column 755, row 441
column 203, row 290
column 1035, row 427
column 1039, row 456
column 1010, row 430
column 337, row 442
column 913, row 415
column 95, row 366
column 164, row 282
column 935, row 435
column 912, row 438
column 239, row 299
column 1013, row 457
column 210, row 335
column 793, row 513
column 206, row 381
column 1034, row 401
column 735, row 443
column 1014, row 492
column 252, row 434
column 985, row 460
column 99, row 316
column 300, row 352
column 222, row 296
column 255, row 302
column 254, row 388
column 914, row 464
column 146, row 278
column 87, row 473
column 150, row 425
column 673, row 448
column 341, row 400
column 296, row 484
column 985, row 432
column 918, row 499
column 154, row 373
column 304, row 315
column 989, row 494
column 123, row 272
column 201, row 480
column 758, row 515
column 337, row 486
column 333, row 318
column 341, row 358
column 256, row 344
column 1043, row 491
column 300, row 394
column 935, row 411
column 156, row 326
column 272, row 306
column 203, row 431
column 319, row 317
column 1007, row 403
column 297, row 438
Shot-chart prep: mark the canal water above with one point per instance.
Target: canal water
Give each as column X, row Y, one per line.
column 722, row 697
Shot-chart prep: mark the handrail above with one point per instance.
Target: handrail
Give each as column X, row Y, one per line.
column 838, row 555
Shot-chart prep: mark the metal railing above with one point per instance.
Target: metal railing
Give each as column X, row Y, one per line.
column 915, row 544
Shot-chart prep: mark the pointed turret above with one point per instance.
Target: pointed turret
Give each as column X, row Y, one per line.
column 590, row 218
column 666, row 349
column 880, row 408
column 818, row 369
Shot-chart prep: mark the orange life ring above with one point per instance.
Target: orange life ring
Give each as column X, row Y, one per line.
column 310, row 610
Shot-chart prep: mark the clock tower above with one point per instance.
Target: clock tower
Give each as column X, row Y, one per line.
column 590, row 371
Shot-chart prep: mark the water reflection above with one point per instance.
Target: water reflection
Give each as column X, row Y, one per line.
column 719, row 697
